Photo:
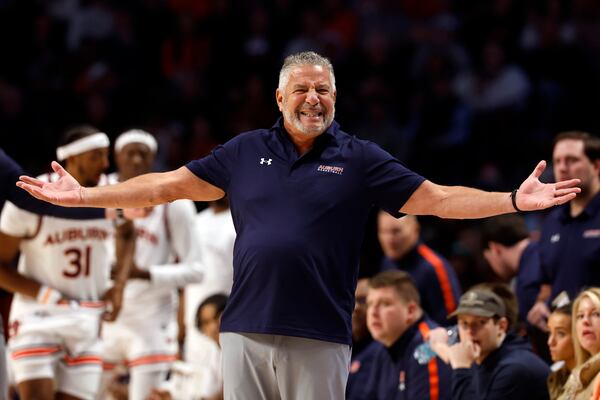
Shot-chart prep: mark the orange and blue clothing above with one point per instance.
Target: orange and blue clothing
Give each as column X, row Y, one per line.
column 434, row 278
column 393, row 373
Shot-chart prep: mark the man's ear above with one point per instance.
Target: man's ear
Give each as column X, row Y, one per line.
column 279, row 99
column 503, row 322
column 597, row 164
column 495, row 247
column 412, row 309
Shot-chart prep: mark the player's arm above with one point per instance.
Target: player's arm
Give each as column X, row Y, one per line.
column 11, row 280
column 141, row 191
column 184, row 245
column 125, row 252
column 463, row 202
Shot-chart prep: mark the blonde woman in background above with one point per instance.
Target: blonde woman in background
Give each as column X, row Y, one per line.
column 584, row 380
column 560, row 343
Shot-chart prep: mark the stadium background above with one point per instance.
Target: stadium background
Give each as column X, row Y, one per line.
column 462, row 91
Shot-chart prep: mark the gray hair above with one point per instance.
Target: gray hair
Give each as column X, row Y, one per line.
column 304, row 58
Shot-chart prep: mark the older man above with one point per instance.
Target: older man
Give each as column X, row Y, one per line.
column 300, row 193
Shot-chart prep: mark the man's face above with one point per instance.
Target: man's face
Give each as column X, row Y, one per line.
column 388, row 316
column 88, row 167
column 397, row 236
column 308, row 101
column 570, row 161
column 482, row 331
column 134, row 159
column 359, row 315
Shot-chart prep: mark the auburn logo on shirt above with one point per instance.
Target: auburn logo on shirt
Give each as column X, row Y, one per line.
column 591, row 233
column 331, row 169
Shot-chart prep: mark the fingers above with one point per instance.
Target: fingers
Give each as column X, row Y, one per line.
column 564, row 192
column 31, row 181
column 564, row 199
column 58, row 169
column 32, row 190
column 568, row 184
column 539, row 169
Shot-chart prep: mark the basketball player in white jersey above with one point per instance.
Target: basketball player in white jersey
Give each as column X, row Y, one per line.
column 144, row 337
column 54, row 346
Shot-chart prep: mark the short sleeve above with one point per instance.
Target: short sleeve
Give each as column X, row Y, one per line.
column 16, row 222
column 389, row 183
column 216, row 168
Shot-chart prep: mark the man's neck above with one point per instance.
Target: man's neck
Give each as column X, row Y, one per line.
column 579, row 203
column 302, row 142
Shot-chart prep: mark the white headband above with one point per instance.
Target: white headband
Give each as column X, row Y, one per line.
column 95, row 141
column 136, row 136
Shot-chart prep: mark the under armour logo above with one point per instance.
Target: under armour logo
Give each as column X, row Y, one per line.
column 555, row 238
column 268, row 162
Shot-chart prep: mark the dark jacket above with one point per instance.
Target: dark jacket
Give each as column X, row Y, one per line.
column 510, row 372
column 394, row 374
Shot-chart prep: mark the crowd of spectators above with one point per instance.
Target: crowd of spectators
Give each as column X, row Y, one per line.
column 461, row 91
column 481, row 86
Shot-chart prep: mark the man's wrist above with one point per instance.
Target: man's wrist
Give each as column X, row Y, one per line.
column 513, row 199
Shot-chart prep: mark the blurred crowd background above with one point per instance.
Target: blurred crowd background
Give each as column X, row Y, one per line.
column 461, row 91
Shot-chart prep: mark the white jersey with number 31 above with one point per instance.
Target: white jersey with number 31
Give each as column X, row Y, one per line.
column 71, row 256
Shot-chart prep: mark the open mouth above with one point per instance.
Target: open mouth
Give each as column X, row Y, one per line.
column 313, row 115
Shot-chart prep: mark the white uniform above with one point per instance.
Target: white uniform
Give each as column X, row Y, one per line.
column 199, row 377
column 59, row 341
column 216, row 235
column 144, row 336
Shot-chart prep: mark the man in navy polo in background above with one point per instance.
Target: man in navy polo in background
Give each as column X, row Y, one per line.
column 300, row 194
column 434, row 277
column 570, row 240
column 399, row 325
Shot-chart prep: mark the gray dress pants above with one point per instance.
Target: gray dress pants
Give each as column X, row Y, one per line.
column 274, row 367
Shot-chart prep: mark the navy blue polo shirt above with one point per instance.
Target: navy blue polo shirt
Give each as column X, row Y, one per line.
column 570, row 248
column 529, row 279
column 9, row 175
column 300, row 224
column 434, row 278
column 392, row 373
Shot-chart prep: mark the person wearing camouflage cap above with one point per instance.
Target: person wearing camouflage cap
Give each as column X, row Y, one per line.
column 489, row 363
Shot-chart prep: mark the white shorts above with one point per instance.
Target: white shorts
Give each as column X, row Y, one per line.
column 144, row 347
column 63, row 347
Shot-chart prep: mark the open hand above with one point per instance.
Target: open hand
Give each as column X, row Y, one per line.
column 66, row 191
column 535, row 195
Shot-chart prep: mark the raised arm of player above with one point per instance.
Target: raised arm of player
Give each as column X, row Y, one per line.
column 141, row 191
column 463, row 202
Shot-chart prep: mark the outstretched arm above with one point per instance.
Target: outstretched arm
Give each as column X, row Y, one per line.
column 463, row 202
column 141, row 191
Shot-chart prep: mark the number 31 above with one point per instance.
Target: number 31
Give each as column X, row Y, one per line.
column 79, row 262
